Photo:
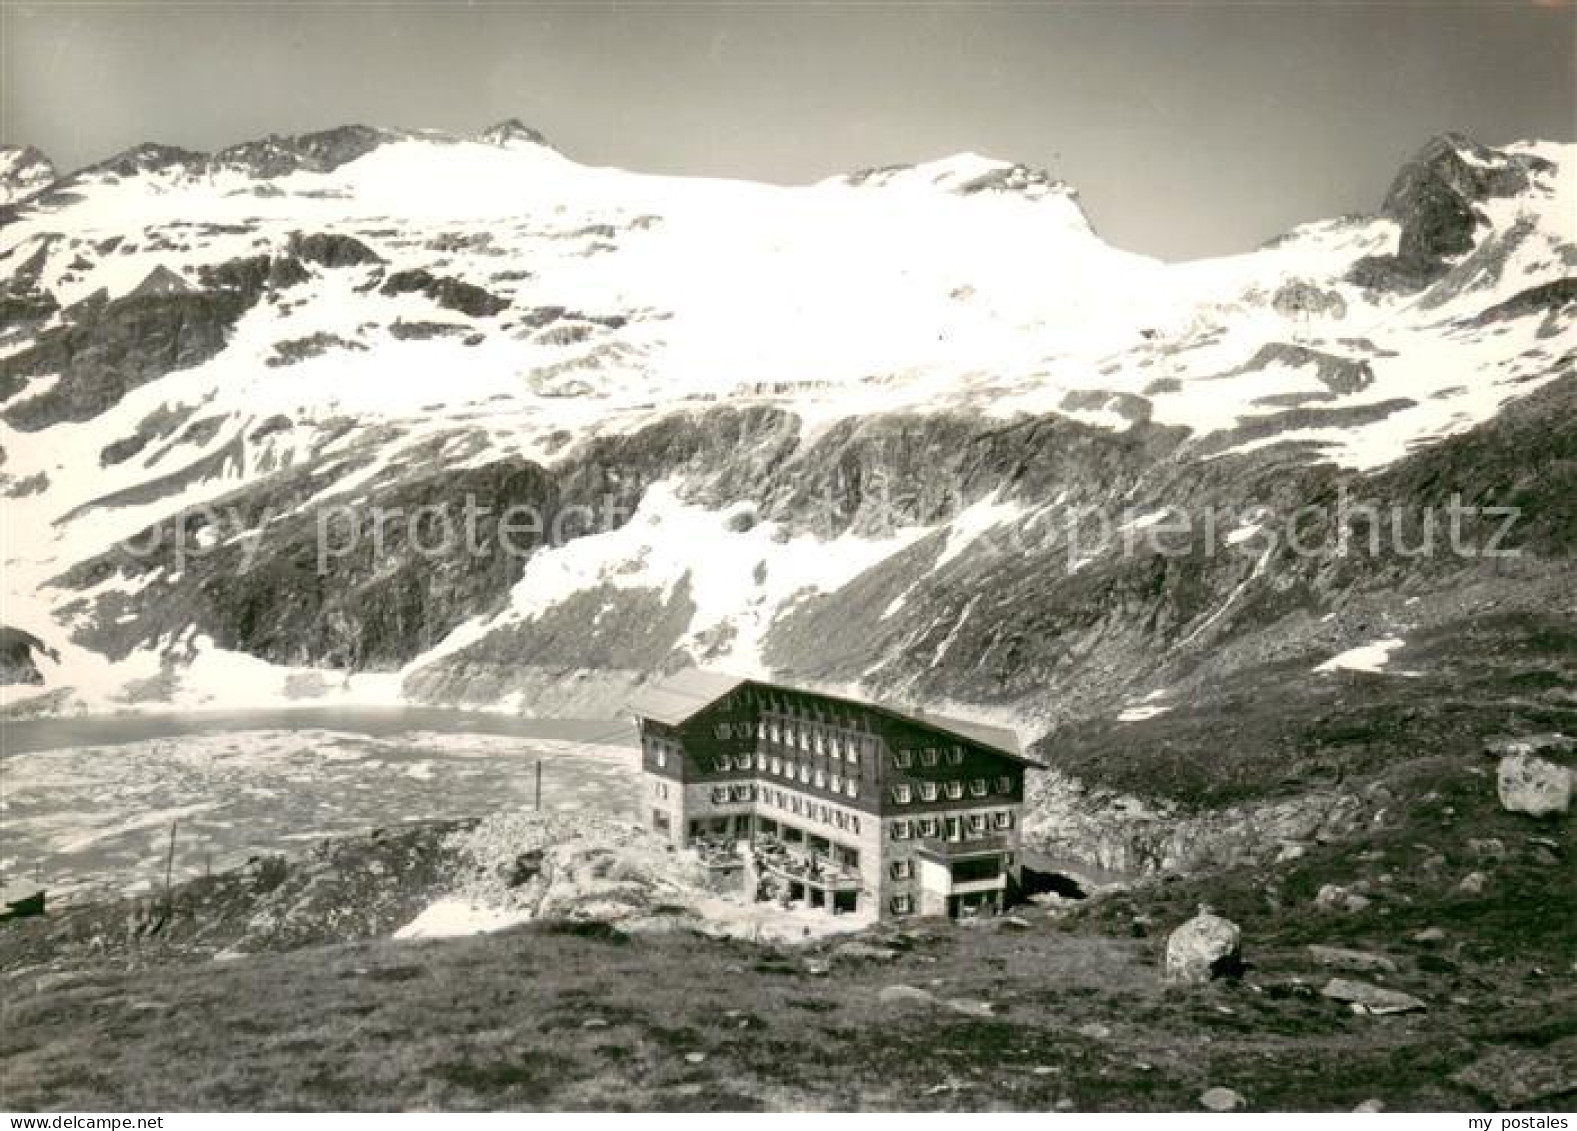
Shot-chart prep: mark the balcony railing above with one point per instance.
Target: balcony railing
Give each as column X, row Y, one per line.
column 959, row 849
column 806, row 869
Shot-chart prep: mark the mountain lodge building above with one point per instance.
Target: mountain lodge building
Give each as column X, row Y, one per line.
column 842, row 804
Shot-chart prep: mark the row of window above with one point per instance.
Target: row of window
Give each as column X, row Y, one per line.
column 723, row 794
column 803, row 771
column 805, row 807
column 928, row 756
column 952, row 827
column 826, row 714
column 811, row 739
column 904, row 792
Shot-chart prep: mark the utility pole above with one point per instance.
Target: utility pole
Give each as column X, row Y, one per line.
column 169, row 865
column 539, row 784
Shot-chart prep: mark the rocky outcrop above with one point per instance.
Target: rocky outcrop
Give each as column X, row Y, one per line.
column 447, row 292
column 18, row 656
column 1338, row 374
column 332, row 249
column 512, row 131
column 103, row 353
column 1433, row 201
column 23, row 171
column 313, row 345
column 321, row 152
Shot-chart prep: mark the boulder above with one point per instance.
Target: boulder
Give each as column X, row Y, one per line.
column 1205, row 947
column 1222, row 1099
column 1530, row 784
column 862, row 952
column 905, row 995
column 1334, row 897
column 1365, row 998
column 971, row 1007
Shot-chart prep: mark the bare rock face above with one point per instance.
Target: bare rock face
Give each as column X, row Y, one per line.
column 23, row 172
column 1205, row 947
column 1532, row 785
column 18, row 656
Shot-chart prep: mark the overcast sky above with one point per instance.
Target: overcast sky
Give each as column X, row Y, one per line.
column 1189, row 128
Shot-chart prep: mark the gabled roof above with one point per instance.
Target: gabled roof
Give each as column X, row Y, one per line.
column 683, row 695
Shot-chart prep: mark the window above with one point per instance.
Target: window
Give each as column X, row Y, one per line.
column 660, row 788
column 903, row 759
column 977, row 788
column 902, row 904
column 719, row 794
column 853, row 758
column 928, row 756
column 928, row 791
column 724, row 765
column 662, row 755
column 903, row 869
column 723, row 730
column 782, row 801
column 977, row 822
column 761, row 729
column 794, row 805
column 777, row 765
column 821, row 779
column 929, row 827
column 761, row 762
column 1005, row 785
column 804, row 772
column 840, row 819
column 851, row 788
column 837, row 783
column 955, row 756
column 955, row 828
column 902, row 830
column 854, row 822
column 744, row 793
column 824, row 814
column 775, row 733
column 901, row 794
column 1004, row 820
column 820, row 743
column 955, row 790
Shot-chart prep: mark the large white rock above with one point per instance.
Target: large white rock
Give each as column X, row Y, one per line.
column 1222, row 1099
column 1531, row 785
column 1203, row 948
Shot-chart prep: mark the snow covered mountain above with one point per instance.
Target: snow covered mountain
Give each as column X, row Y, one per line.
column 837, row 432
